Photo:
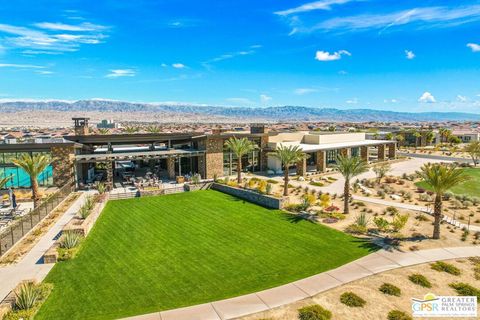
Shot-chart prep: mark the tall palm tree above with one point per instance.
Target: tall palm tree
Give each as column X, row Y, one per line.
column 103, row 131
column 33, row 166
column 288, row 156
column 130, row 129
column 153, row 129
column 440, row 178
column 349, row 167
column 240, row 147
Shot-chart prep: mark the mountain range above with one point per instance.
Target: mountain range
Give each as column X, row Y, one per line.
column 277, row 113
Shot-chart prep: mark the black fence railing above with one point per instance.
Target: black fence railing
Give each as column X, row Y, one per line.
column 18, row 228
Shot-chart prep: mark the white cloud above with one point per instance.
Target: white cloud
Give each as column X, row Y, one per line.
column 475, row 47
column 116, row 73
column 461, row 98
column 316, row 5
column 327, row 56
column 427, row 97
column 178, row 65
column 342, row 72
column 45, row 37
column 57, row 26
column 390, row 100
column 164, row 65
column 303, row 91
column 231, row 55
column 434, row 17
column 243, row 101
column 409, row 54
column 352, row 101
column 20, row 66
column 265, row 99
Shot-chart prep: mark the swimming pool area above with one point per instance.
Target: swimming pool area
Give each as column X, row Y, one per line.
column 20, row 179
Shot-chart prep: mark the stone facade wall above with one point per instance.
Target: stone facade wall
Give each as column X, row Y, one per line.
column 381, row 152
column 302, row 167
column 250, row 196
column 214, row 157
column 171, row 168
column 263, row 153
column 392, row 151
column 364, row 153
column 63, row 165
column 321, row 161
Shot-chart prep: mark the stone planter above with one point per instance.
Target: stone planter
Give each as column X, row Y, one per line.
column 250, row 196
column 51, row 255
column 199, row 186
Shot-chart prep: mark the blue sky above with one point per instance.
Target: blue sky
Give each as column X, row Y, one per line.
column 383, row 54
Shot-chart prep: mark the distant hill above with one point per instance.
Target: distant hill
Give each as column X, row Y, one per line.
column 280, row 113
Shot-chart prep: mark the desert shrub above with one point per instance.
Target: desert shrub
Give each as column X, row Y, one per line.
column 467, row 204
column 425, row 197
column 325, row 200
column 316, row 183
column 391, row 210
column 84, row 212
column 445, row 267
column 309, row 199
column 70, row 239
column 66, row 254
column 28, row 299
column 399, row 222
column 356, row 229
column 352, row 300
column 390, row 289
column 457, row 204
column 421, row 217
column 464, row 289
column 476, row 266
column 381, row 223
column 476, row 201
column 314, row 312
column 89, row 202
column 408, row 195
column 269, row 188
column 262, row 186
column 465, row 234
column 295, row 207
column 272, row 181
column 362, row 220
column 252, row 183
column 447, row 195
column 381, row 193
column 420, row 279
column 398, row 315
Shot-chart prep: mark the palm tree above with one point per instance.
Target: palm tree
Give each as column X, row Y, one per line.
column 240, row 147
column 4, row 181
column 349, row 167
column 400, row 138
column 444, row 134
column 130, row 129
column 153, row 129
column 33, row 166
column 440, row 178
column 288, row 156
column 473, row 149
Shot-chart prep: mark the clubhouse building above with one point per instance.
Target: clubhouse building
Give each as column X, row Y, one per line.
column 116, row 158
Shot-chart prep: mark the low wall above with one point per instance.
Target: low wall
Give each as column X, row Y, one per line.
column 83, row 226
column 250, row 196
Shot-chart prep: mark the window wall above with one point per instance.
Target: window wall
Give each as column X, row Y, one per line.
column 250, row 162
column 332, row 156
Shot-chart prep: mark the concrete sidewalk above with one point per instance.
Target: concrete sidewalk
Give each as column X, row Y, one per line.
column 31, row 266
column 377, row 262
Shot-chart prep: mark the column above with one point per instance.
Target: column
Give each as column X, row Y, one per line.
column 364, row 153
column 302, row 167
column 63, row 165
column 171, row 167
column 321, row 160
column 392, row 151
column 345, row 152
column 179, row 166
column 381, row 152
column 109, row 168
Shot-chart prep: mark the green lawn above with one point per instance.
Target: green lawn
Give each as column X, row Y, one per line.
column 158, row 253
column 471, row 187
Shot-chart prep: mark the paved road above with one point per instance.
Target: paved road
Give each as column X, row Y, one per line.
column 374, row 263
column 31, row 266
column 435, row 157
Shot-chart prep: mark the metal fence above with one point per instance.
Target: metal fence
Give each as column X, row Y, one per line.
column 137, row 194
column 21, row 226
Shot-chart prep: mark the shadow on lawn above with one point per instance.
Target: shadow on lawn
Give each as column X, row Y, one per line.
column 366, row 244
column 299, row 217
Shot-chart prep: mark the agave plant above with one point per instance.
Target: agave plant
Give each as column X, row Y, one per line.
column 101, row 188
column 89, row 203
column 70, row 239
column 26, row 296
column 84, row 212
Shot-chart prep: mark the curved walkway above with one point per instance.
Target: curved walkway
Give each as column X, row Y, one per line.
column 374, row 263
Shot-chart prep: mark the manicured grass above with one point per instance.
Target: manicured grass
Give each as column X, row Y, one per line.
column 158, row 253
column 470, row 187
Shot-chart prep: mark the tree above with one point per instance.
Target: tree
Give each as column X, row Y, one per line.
column 288, row 156
column 349, row 167
column 389, row 136
column 33, row 166
column 400, row 138
column 417, row 136
column 429, row 137
column 444, row 134
column 441, row 178
column 154, row 129
column 240, row 147
column 381, row 170
column 454, row 140
column 130, row 129
column 4, row 181
column 473, row 149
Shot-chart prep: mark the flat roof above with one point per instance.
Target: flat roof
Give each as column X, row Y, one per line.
column 25, row 147
column 331, row 146
column 124, row 156
column 131, row 138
